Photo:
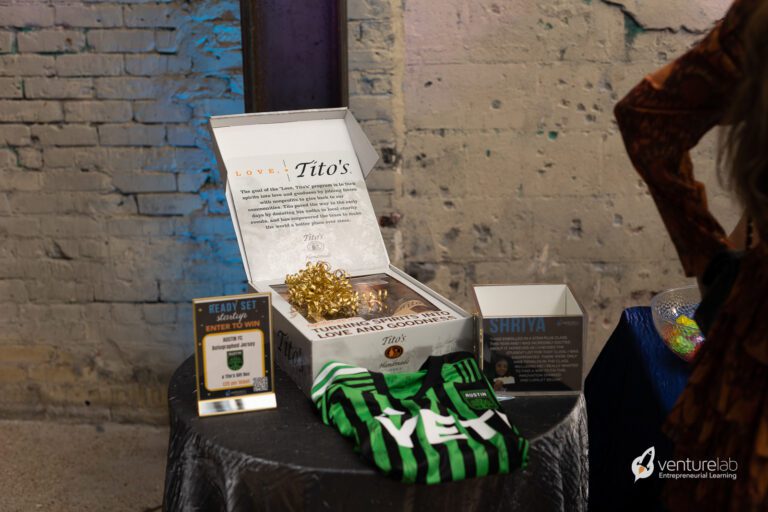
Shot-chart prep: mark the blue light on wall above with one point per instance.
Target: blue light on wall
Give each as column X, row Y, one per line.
column 209, row 255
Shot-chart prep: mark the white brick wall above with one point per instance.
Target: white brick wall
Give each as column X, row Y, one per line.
column 513, row 169
column 493, row 119
column 107, row 192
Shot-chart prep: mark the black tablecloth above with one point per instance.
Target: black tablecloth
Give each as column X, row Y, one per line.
column 632, row 387
column 286, row 459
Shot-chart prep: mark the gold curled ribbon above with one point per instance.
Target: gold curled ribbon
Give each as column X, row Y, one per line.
column 320, row 294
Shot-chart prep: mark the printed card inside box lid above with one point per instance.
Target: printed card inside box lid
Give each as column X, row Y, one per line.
column 296, row 190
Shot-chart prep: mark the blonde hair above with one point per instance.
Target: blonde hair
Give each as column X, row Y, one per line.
column 743, row 151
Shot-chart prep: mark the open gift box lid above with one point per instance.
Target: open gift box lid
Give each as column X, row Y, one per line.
column 529, row 300
column 295, row 185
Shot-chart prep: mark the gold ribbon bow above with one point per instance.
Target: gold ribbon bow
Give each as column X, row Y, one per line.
column 320, row 294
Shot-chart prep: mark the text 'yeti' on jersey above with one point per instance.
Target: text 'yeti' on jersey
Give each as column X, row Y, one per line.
column 439, row 424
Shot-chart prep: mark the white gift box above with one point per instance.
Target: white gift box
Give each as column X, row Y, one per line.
column 295, row 184
column 531, row 338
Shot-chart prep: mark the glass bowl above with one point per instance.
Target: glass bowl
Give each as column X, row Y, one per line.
column 672, row 312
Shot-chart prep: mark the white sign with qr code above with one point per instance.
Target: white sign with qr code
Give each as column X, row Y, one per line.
column 234, row 360
column 233, row 354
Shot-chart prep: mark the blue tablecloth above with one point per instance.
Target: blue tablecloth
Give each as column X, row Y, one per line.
column 630, row 390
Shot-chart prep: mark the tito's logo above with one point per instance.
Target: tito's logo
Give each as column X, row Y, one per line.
column 393, row 351
column 642, row 467
column 310, row 168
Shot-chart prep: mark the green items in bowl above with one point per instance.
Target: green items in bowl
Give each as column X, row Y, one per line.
column 685, row 337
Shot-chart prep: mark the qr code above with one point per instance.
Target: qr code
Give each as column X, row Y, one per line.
column 260, row 384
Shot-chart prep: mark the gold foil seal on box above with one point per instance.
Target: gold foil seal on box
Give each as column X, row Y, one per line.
column 320, row 294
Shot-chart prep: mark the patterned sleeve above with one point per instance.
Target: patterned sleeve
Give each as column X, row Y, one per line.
column 665, row 116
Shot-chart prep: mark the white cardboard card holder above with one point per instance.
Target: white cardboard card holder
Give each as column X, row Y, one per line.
column 538, row 330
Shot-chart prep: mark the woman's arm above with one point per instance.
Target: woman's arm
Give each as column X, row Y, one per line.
column 665, row 116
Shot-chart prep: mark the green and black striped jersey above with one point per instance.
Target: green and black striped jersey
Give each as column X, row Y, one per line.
column 439, row 424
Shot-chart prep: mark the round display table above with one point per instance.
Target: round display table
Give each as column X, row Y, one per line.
column 286, row 459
